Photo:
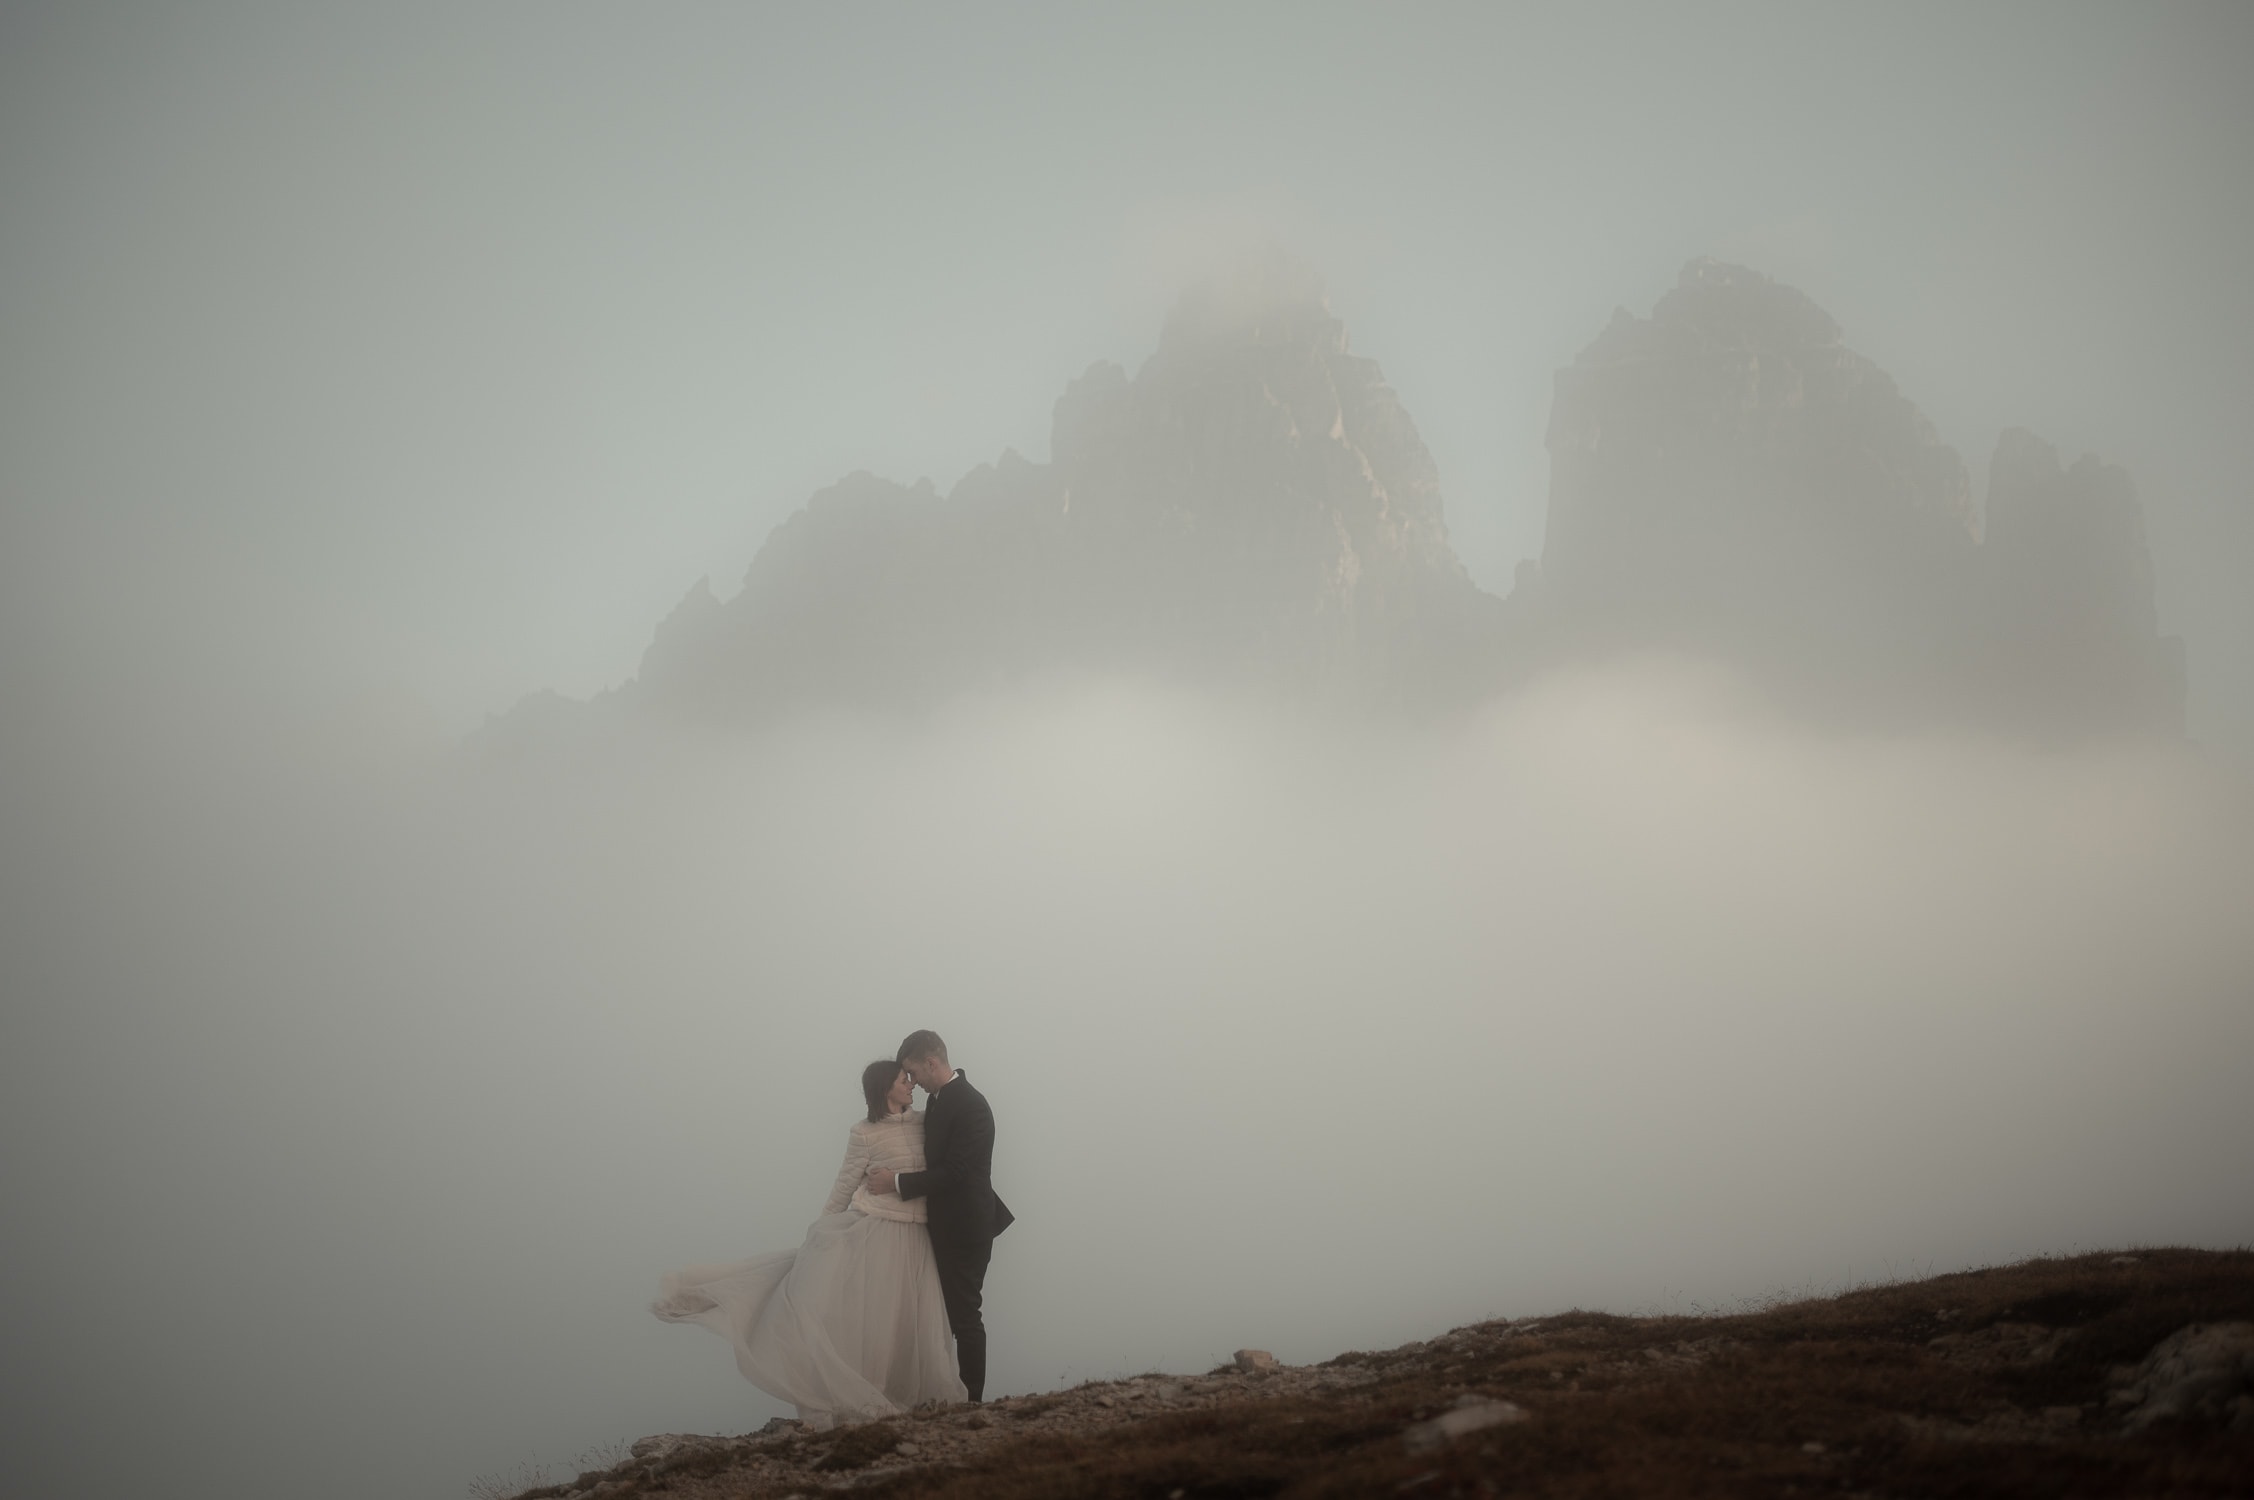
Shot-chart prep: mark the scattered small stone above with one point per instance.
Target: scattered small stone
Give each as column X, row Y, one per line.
column 2125, row 1260
column 1811, row 1447
column 907, row 1449
column 1255, row 1361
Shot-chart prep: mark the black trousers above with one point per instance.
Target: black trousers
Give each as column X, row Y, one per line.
column 962, row 1285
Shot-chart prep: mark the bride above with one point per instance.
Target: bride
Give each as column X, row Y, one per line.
column 850, row 1325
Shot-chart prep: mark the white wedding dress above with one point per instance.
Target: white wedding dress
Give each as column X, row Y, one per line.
column 850, row 1325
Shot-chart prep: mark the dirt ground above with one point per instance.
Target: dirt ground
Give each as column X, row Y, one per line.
column 2105, row 1374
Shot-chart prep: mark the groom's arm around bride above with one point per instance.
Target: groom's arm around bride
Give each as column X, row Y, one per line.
column 965, row 1213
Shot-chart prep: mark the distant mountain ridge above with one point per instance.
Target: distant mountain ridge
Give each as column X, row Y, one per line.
column 1254, row 509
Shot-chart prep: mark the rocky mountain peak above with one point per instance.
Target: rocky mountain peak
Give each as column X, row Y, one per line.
column 1727, row 476
column 1254, row 508
column 2070, row 610
column 1729, row 472
column 1268, row 300
column 1742, row 308
column 1252, row 505
column 1255, row 429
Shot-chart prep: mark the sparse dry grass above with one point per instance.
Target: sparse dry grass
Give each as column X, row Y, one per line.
column 1982, row 1383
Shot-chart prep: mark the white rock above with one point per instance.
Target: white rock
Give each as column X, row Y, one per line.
column 1470, row 1414
column 2201, row 1370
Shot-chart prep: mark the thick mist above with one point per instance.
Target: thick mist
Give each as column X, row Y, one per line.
column 357, row 1112
column 364, row 369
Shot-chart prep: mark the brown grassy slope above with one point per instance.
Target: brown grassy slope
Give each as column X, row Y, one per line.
column 1983, row 1383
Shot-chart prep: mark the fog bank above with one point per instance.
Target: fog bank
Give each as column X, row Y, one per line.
column 351, row 1116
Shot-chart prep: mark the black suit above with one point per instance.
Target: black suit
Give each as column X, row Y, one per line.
column 965, row 1214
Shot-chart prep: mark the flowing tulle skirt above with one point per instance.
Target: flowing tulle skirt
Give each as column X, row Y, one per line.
column 847, row 1327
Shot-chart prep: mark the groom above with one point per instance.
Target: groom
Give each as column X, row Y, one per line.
column 965, row 1214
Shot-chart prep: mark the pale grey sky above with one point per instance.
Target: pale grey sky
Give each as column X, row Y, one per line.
column 428, row 355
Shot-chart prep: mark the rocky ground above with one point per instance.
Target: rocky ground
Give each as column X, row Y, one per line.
column 2109, row 1374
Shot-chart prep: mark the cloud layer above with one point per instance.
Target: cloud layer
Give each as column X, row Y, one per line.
column 360, row 1114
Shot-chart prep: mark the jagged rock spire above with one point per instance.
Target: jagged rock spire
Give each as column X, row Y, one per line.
column 1728, row 477
column 1252, row 506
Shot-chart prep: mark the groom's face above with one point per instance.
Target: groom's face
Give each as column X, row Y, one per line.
column 928, row 1072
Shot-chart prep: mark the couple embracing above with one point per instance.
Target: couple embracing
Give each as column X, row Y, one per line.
column 878, row 1309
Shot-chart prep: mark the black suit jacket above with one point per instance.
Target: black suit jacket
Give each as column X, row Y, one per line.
column 958, row 1176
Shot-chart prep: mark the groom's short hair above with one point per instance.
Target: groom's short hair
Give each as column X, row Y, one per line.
column 922, row 1044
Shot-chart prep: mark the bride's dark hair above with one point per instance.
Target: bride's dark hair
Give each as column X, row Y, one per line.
column 876, row 1082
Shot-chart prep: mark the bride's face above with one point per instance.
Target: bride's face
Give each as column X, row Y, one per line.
column 902, row 1091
